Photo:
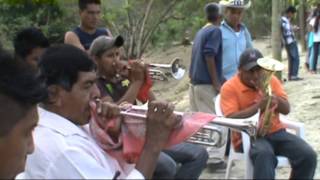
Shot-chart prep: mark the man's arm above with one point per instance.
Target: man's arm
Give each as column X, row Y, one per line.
column 213, row 73
column 211, row 49
column 160, row 123
column 71, row 38
column 136, row 78
column 280, row 96
column 248, row 38
column 152, row 96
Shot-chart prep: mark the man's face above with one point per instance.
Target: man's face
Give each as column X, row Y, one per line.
column 290, row 15
column 15, row 146
column 75, row 103
column 234, row 16
column 91, row 16
column 34, row 56
column 251, row 78
column 109, row 61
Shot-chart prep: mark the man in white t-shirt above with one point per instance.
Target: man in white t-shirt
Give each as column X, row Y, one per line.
column 64, row 148
column 315, row 23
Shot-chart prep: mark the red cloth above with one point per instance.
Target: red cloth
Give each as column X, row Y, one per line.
column 143, row 94
column 133, row 134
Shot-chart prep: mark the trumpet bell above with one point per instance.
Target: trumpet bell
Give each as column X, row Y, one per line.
column 177, row 70
column 163, row 71
column 270, row 64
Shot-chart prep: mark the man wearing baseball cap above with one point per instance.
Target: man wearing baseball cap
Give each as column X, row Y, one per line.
column 241, row 97
column 106, row 54
column 235, row 35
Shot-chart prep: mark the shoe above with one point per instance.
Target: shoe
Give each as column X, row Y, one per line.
column 295, row 78
column 221, row 165
column 306, row 65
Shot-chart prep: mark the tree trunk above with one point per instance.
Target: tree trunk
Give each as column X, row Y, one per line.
column 142, row 28
column 276, row 31
column 302, row 24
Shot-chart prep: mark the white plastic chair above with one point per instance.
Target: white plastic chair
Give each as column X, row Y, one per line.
column 233, row 155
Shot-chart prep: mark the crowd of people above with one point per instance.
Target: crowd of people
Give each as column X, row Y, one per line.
column 53, row 96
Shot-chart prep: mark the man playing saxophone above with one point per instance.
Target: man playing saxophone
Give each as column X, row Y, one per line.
column 243, row 96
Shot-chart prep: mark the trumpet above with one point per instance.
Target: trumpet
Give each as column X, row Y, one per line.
column 162, row 71
column 270, row 66
column 208, row 135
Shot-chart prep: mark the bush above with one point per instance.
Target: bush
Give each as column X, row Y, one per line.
column 44, row 14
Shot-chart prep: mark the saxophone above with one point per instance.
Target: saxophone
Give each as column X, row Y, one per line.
column 269, row 66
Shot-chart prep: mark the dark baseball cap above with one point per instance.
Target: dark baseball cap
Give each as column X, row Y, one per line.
column 104, row 43
column 248, row 59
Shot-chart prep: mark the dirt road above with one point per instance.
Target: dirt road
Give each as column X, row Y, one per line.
column 304, row 97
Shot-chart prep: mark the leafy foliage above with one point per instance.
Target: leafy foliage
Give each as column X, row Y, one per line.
column 44, row 14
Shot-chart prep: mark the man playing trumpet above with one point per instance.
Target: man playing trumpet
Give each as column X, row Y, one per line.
column 64, row 147
column 120, row 82
column 242, row 97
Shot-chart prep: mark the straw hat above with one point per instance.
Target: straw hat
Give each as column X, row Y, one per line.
column 235, row 4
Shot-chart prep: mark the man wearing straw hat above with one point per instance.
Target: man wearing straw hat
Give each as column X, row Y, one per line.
column 235, row 35
column 242, row 97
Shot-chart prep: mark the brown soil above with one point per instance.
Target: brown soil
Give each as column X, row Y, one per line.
column 304, row 97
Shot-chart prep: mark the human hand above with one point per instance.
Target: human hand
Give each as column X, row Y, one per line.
column 295, row 28
column 160, row 122
column 137, row 71
column 262, row 104
column 104, row 110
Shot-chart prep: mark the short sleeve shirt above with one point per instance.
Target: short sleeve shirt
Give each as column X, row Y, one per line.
column 235, row 97
column 233, row 46
column 208, row 42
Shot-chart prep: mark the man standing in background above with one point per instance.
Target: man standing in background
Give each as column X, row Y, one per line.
column 290, row 43
column 83, row 35
column 206, row 70
column 235, row 35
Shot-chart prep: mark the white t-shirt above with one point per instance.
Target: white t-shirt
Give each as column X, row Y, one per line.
column 316, row 37
column 66, row 151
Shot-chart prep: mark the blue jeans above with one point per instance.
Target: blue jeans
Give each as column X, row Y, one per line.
column 316, row 46
column 293, row 59
column 191, row 158
column 263, row 152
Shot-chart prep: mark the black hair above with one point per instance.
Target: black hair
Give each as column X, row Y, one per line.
column 212, row 11
column 316, row 24
column 28, row 39
column 291, row 9
column 83, row 3
column 61, row 64
column 20, row 90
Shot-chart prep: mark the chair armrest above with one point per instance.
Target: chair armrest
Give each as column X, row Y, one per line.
column 297, row 126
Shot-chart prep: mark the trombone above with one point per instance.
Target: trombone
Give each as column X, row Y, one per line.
column 162, row 72
column 208, row 135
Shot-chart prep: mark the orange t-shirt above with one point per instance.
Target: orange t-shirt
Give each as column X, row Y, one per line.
column 235, row 96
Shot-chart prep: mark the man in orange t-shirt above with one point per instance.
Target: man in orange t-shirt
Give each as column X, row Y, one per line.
column 241, row 98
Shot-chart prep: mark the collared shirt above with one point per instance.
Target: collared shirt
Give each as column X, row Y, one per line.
column 287, row 32
column 233, row 46
column 66, row 151
column 235, row 97
column 208, row 42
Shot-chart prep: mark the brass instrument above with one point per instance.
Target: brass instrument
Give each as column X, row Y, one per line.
column 270, row 66
column 162, row 71
column 209, row 135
